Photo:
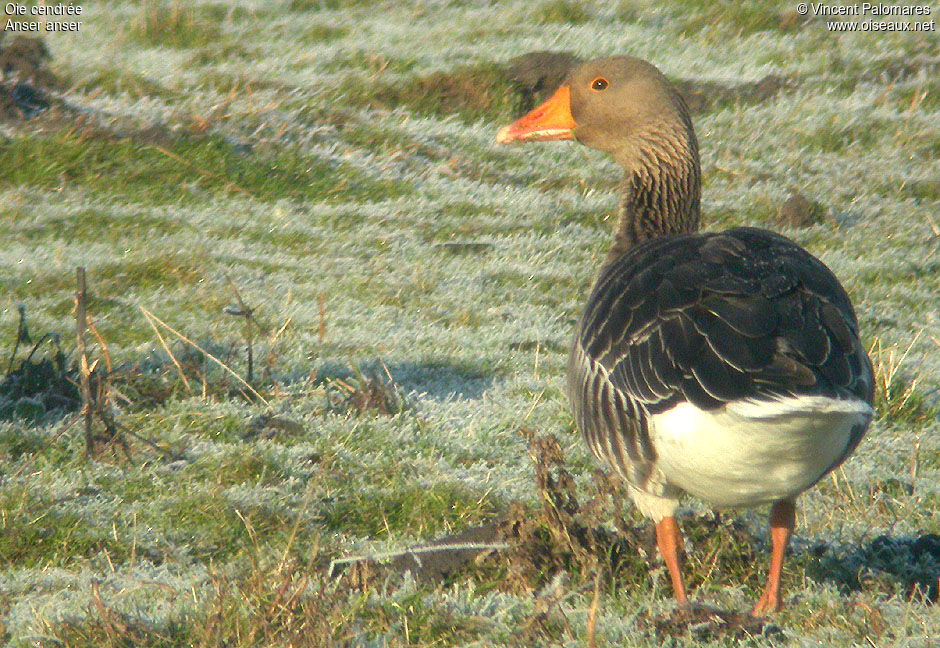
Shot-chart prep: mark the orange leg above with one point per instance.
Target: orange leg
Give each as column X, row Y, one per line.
column 782, row 521
column 669, row 541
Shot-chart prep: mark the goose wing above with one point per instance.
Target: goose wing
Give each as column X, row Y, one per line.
column 708, row 319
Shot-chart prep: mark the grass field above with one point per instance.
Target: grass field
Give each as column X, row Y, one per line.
column 332, row 165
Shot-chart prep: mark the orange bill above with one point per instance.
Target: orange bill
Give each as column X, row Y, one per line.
column 551, row 120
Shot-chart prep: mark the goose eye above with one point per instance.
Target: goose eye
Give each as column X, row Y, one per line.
column 599, row 84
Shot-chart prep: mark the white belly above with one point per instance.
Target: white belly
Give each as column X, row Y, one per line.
column 752, row 452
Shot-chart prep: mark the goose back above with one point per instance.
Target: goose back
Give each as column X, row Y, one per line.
column 708, row 319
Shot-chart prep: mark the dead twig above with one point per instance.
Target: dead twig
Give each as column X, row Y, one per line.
column 248, row 312
column 22, row 335
column 166, row 347
column 101, row 343
column 417, row 552
column 221, row 364
column 81, row 324
column 592, row 612
column 93, row 404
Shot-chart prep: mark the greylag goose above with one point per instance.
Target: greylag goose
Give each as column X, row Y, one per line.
column 722, row 365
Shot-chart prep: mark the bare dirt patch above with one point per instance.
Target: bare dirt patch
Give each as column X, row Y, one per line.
column 30, row 91
column 705, row 623
column 537, row 74
column 888, row 565
column 25, row 79
column 798, row 211
column 706, row 96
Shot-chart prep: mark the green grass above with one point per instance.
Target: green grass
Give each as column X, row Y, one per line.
column 325, row 33
column 116, row 80
column 193, row 168
column 470, row 92
column 173, row 25
column 562, row 12
column 318, row 5
column 737, row 18
column 401, row 508
column 39, row 533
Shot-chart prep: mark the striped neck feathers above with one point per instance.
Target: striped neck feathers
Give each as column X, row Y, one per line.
column 661, row 188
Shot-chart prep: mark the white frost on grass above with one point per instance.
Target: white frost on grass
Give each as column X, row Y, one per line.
column 474, row 339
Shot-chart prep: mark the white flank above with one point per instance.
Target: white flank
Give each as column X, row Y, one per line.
column 753, row 452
